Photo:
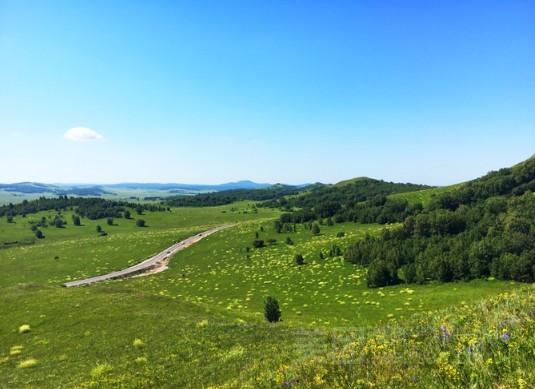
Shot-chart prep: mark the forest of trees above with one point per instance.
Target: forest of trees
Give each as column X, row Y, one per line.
column 363, row 200
column 229, row 196
column 91, row 208
column 484, row 228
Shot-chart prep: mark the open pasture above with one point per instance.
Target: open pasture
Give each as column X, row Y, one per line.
column 200, row 322
column 327, row 292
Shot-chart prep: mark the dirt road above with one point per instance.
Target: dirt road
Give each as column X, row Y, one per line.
column 153, row 264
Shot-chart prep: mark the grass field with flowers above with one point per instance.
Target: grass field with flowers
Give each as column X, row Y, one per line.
column 200, row 323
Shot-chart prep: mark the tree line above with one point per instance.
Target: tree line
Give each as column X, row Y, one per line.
column 91, row 208
column 229, row 196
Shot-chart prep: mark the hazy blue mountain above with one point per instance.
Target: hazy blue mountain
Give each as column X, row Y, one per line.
column 97, row 189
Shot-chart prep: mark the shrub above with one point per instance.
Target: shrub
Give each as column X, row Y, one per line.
column 140, row 223
column 340, row 234
column 76, row 220
column 299, row 260
column 272, row 311
column 381, row 274
column 315, row 229
column 59, row 222
column 258, row 243
column 335, row 251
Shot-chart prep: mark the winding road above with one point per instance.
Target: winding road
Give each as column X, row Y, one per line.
column 157, row 261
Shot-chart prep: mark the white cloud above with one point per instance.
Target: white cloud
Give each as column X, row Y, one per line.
column 82, row 134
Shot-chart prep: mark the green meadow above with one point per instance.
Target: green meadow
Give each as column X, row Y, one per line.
column 200, row 323
column 424, row 196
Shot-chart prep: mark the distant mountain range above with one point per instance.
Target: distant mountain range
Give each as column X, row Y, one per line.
column 246, row 184
column 98, row 190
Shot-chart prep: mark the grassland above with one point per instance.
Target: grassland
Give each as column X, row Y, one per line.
column 323, row 292
column 424, row 196
column 16, row 197
column 200, row 322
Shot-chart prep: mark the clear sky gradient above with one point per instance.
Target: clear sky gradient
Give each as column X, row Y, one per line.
column 273, row 91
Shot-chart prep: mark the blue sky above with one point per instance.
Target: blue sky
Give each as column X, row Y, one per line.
column 273, row 91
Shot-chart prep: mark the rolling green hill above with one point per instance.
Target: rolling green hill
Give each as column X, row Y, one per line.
column 200, row 322
column 484, row 227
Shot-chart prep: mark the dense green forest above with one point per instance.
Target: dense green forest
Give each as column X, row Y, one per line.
column 91, row 208
column 229, row 196
column 362, row 200
column 484, row 228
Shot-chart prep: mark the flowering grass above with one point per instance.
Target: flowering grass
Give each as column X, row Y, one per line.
column 138, row 343
column 489, row 344
column 24, row 328
column 15, row 350
column 100, row 370
column 27, row 363
column 141, row 360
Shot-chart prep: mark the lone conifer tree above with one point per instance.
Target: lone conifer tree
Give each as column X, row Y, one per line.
column 272, row 311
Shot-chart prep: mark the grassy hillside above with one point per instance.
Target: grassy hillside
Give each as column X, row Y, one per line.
column 200, row 322
column 490, row 344
column 423, row 196
column 324, row 292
